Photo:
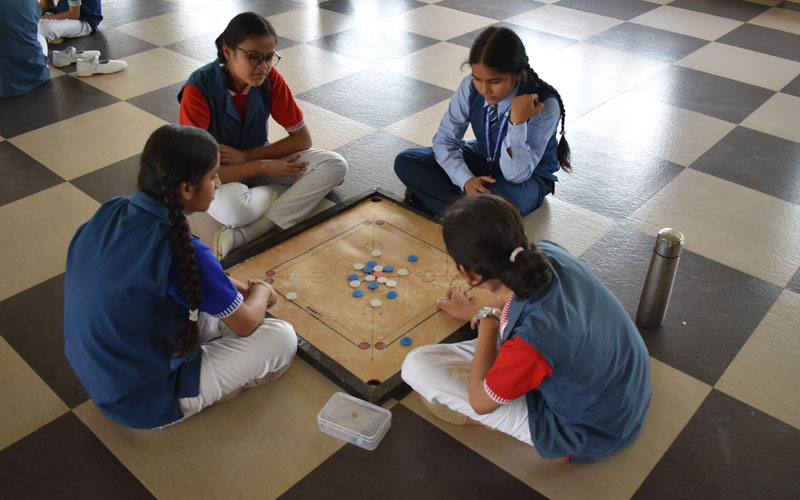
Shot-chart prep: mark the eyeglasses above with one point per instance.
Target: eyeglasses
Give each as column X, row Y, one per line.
column 257, row 58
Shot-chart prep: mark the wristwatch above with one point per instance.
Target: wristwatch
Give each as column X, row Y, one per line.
column 485, row 312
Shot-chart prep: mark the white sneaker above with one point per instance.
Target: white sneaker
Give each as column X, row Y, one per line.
column 71, row 55
column 225, row 241
column 93, row 65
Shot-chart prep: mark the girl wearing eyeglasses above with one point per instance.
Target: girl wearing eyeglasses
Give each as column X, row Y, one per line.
column 265, row 185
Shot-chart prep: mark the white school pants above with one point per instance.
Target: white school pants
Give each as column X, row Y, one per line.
column 52, row 29
column 440, row 374
column 230, row 363
column 283, row 200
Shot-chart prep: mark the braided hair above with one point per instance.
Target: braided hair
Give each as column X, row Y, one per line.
column 175, row 154
column 481, row 232
column 500, row 48
column 239, row 28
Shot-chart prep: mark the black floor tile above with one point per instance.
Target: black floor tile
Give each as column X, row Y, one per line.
column 54, row 100
column 712, row 312
column 119, row 179
column 266, row 9
column 376, row 97
column 65, row 460
column 32, row 322
column 495, row 10
column 731, row 9
column 620, row 9
column 374, row 44
column 794, row 283
column 768, row 41
column 727, row 450
column 22, row 175
column 370, row 161
column 755, row 160
column 112, row 44
column 414, row 460
column 536, row 42
column 116, row 13
column 789, row 5
column 793, row 87
column 611, row 181
column 647, row 41
column 708, row 94
column 202, row 48
column 162, row 103
column 382, row 8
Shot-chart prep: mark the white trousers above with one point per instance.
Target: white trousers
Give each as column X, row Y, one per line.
column 42, row 42
column 283, row 200
column 440, row 374
column 230, row 363
column 52, row 29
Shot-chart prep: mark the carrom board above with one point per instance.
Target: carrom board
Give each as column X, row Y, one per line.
column 359, row 345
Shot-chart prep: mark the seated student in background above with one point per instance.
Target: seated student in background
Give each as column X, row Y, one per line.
column 557, row 364
column 23, row 54
column 153, row 327
column 514, row 116
column 69, row 18
column 74, row 19
column 264, row 185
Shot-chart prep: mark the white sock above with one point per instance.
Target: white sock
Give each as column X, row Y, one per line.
column 252, row 231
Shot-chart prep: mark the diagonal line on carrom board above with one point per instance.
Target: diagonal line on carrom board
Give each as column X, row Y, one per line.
column 423, row 242
column 316, row 315
column 322, row 245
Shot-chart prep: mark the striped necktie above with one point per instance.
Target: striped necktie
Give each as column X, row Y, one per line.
column 493, row 119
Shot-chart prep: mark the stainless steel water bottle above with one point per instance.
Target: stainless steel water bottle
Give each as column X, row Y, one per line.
column 660, row 276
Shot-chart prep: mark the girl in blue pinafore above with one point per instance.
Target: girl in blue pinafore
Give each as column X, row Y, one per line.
column 514, row 115
column 557, row 363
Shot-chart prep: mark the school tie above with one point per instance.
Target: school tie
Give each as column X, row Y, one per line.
column 493, row 119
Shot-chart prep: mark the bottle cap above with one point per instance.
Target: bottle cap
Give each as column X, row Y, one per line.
column 669, row 242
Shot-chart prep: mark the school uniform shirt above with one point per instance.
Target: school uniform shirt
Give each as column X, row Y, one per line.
column 123, row 303
column 533, row 143
column 23, row 65
column 239, row 120
column 91, row 10
column 572, row 350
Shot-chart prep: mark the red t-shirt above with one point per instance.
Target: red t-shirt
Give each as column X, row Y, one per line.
column 517, row 369
column 195, row 111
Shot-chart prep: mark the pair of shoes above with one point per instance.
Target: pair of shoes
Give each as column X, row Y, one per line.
column 444, row 413
column 93, row 65
column 225, row 241
column 71, row 55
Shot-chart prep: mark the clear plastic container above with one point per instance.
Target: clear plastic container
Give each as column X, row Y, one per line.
column 355, row 421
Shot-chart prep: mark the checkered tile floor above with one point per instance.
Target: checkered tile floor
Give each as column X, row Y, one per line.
column 681, row 113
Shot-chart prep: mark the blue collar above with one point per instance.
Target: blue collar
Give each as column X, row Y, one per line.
column 148, row 204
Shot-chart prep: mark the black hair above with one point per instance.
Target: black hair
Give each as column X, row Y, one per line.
column 239, row 28
column 500, row 48
column 482, row 231
column 175, row 154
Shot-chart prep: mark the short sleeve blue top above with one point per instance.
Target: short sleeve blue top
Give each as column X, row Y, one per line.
column 123, row 303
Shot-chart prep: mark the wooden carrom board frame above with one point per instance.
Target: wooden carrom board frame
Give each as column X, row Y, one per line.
column 355, row 344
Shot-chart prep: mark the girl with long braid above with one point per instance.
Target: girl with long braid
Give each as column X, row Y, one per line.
column 514, row 115
column 153, row 327
column 557, row 362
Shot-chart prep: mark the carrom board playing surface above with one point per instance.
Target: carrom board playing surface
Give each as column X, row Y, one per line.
column 359, row 343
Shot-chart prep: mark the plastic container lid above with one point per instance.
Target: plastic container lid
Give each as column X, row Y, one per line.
column 353, row 420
